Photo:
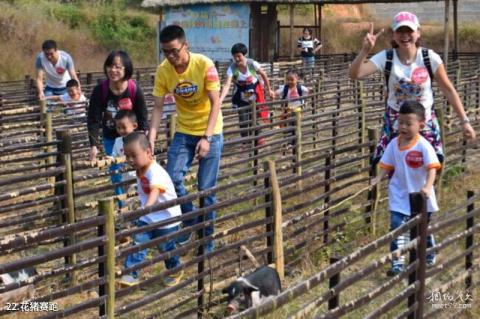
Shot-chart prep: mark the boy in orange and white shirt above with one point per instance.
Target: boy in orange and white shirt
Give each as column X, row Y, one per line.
column 414, row 164
column 154, row 186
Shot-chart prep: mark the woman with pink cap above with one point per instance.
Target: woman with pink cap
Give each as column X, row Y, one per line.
column 409, row 70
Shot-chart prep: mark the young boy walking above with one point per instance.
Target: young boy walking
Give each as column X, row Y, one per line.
column 125, row 123
column 153, row 186
column 415, row 164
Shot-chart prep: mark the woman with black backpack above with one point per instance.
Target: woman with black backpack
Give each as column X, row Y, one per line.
column 409, row 71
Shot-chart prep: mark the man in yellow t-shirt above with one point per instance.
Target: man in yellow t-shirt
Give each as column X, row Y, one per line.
column 193, row 80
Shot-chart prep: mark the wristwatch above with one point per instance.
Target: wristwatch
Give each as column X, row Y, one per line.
column 208, row 138
column 465, row 121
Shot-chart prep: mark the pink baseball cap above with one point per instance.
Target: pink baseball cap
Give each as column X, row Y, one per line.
column 406, row 19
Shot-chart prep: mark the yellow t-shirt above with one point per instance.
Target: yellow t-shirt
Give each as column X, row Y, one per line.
column 190, row 92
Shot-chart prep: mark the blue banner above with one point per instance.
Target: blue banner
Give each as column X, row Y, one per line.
column 212, row 29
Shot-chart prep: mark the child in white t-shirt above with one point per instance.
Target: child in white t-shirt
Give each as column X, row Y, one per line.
column 71, row 99
column 415, row 164
column 154, row 186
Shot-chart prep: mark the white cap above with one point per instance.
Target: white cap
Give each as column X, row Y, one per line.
column 406, row 19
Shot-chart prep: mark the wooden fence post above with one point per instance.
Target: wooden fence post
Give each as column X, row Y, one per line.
column 32, row 90
column 110, row 232
column 201, row 263
column 469, row 241
column 332, row 282
column 30, row 87
column 27, row 83
column 277, row 220
column 441, row 122
column 335, row 116
column 253, row 124
column 89, row 78
column 268, row 210
column 320, row 81
column 48, row 126
column 65, row 149
column 298, row 143
column 106, row 208
column 326, row 190
column 361, row 123
column 255, row 140
column 477, row 94
column 43, row 108
column 418, row 206
column 1, row 109
column 374, row 192
column 316, row 102
column 43, row 124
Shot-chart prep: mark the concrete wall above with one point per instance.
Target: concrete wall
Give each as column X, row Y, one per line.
column 468, row 10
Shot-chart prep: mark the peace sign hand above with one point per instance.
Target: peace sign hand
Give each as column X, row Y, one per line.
column 370, row 39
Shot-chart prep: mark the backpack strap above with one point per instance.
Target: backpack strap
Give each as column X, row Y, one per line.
column 426, row 61
column 299, row 90
column 234, row 71
column 388, row 66
column 104, row 86
column 251, row 68
column 285, row 92
column 132, row 90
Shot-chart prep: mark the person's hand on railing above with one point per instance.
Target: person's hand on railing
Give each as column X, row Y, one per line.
column 427, row 191
column 468, row 131
column 271, row 94
column 374, row 181
column 93, row 153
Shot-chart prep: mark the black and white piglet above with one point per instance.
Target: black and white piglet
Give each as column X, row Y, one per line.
column 250, row 290
column 19, row 294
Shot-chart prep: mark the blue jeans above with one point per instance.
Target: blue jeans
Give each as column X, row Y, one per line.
column 49, row 91
column 180, row 155
column 116, row 178
column 308, row 61
column 141, row 238
column 396, row 220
